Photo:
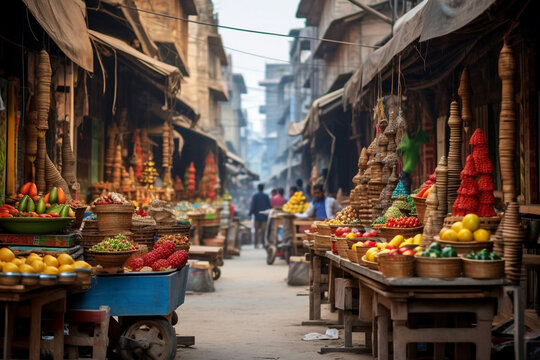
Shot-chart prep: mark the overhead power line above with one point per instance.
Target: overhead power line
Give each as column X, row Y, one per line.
column 245, row 30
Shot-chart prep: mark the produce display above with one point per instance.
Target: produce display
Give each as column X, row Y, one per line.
column 483, row 255
column 347, row 215
column 436, row 251
column 36, row 264
column 111, row 198
column 402, row 222
column 466, row 230
column 296, row 204
column 140, row 212
column 425, row 189
column 29, row 204
column 118, row 243
column 398, row 245
column 176, row 238
column 163, row 257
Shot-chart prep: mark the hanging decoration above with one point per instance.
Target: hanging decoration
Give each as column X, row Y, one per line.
column 44, row 76
column 31, row 132
column 149, row 172
column 68, row 160
column 112, row 135
column 191, row 180
column 464, row 93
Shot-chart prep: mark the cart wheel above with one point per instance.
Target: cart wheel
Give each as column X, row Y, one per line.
column 220, row 262
column 174, row 318
column 149, row 339
column 270, row 254
column 216, row 273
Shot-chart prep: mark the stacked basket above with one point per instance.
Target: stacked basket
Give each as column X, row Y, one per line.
column 144, row 231
column 513, row 242
column 454, row 155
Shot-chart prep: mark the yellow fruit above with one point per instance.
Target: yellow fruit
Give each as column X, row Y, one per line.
column 79, row 264
column 10, row 267
column 465, row 235
column 471, row 222
column 381, row 245
column 66, row 268
column 443, row 230
column 417, row 239
column 33, row 256
column 397, row 240
column 350, row 236
column 418, row 249
column 383, row 251
column 25, row 268
column 457, row 226
column 6, row 255
column 481, row 235
column 50, row 260
column 370, row 254
column 38, row 265
column 17, row 261
column 65, row 259
column 449, row 235
column 51, row 270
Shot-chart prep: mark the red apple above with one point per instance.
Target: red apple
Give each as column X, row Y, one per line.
column 358, row 234
column 390, row 247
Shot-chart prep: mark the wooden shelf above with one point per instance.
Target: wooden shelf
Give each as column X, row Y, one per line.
column 533, row 209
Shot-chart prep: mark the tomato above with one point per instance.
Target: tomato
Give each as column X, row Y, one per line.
column 393, row 252
column 358, row 234
column 403, row 249
column 390, row 247
column 409, row 252
column 370, row 243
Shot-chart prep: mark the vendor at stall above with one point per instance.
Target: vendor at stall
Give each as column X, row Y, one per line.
column 321, row 206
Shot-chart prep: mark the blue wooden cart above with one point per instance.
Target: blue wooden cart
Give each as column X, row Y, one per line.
column 145, row 305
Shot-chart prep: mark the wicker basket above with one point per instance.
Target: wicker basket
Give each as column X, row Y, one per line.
column 342, row 247
column 369, row 264
column 90, row 225
column 488, row 223
column 114, row 218
column 323, row 242
column 352, row 255
column 361, row 251
column 210, row 222
column 79, row 213
column 483, row 269
column 420, row 204
column 144, row 235
column 438, row 267
column 324, row 229
column 389, row 232
column 396, row 266
column 358, row 227
column 112, row 260
column 309, row 235
column 463, row 248
column 180, row 229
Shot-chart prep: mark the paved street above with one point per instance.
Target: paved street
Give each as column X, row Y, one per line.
column 253, row 315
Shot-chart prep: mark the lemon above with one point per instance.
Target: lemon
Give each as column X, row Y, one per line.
column 417, row 239
column 6, row 255
column 370, row 254
column 33, row 256
column 17, row 261
column 465, row 235
column 481, row 235
column 65, row 259
column 38, row 265
column 50, row 260
column 397, row 240
column 66, row 268
column 449, row 235
column 457, row 226
column 10, row 267
column 443, row 230
column 25, row 268
column 79, row 264
column 471, row 222
column 51, row 270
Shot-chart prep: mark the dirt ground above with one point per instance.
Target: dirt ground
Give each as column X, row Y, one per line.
column 253, row 314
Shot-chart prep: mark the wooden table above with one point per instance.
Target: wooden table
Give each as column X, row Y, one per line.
column 318, row 284
column 383, row 299
column 212, row 254
column 22, row 301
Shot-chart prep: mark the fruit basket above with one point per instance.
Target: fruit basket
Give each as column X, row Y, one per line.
column 342, row 247
column 420, row 204
column 323, row 242
column 369, row 264
column 438, row 267
column 114, row 217
column 389, row 232
column 483, row 269
column 488, row 223
column 310, row 236
column 111, row 259
column 465, row 247
column 35, row 225
column 396, row 266
column 324, row 229
column 353, row 255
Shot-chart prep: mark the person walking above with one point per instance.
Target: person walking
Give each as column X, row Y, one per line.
column 259, row 202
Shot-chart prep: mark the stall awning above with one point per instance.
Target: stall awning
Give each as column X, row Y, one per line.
column 64, row 21
column 319, row 107
column 428, row 20
column 171, row 73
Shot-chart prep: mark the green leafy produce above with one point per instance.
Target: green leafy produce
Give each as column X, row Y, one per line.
column 393, row 212
column 117, row 243
column 449, row 251
column 410, row 201
column 380, row 220
column 483, row 255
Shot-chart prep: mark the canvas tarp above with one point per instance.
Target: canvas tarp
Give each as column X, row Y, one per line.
column 64, row 21
column 428, row 20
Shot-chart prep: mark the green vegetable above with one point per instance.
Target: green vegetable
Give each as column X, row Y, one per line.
column 40, row 208
column 53, row 197
column 54, row 209
column 119, row 242
column 449, row 251
column 471, row 255
column 482, row 255
column 65, row 211
column 435, row 246
column 426, row 253
column 24, row 203
column 493, row 256
column 30, row 205
column 434, row 253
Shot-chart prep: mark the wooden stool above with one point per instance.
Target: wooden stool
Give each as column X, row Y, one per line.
column 88, row 328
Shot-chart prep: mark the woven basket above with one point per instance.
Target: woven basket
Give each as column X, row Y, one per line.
column 309, row 235
column 342, row 247
column 488, row 223
column 483, row 269
column 79, row 213
column 185, row 246
column 210, row 222
column 361, row 251
column 324, row 229
column 114, row 218
column 322, row 242
column 111, row 260
column 90, row 225
column 352, row 255
column 180, row 229
column 438, row 267
column 389, row 232
column 369, row 264
column 396, row 266
column 420, row 204
column 144, row 235
column 463, row 248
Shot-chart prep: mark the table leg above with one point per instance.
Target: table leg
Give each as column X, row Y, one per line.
column 311, row 282
column 58, row 347
column 316, row 288
column 35, row 330
column 332, row 286
column 383, row 318
column 8, row 329
column 398, row 339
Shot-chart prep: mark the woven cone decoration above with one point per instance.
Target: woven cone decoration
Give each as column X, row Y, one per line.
column 513, row 242
column 464, row 93
column 68, row 160
column 40, row 165
column 44, row 74
column 31, row 133
column 54, row 178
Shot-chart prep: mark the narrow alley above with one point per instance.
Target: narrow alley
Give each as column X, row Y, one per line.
column 253, row 315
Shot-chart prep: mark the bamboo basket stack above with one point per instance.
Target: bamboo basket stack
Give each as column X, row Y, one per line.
column 507, row 123
column 454, row 155
column 513, row 242
column 442, row 183
column 68, row 160
column 44, row 75
column 117, row 167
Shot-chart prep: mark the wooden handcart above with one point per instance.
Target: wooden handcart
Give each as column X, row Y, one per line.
column 212, row 254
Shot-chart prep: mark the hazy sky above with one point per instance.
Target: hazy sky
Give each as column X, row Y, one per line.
column 265, row 15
